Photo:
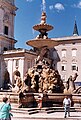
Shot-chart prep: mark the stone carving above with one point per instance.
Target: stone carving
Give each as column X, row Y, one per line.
column 78, row 90
column 6, row 82
column 70, row 85
column 44, row 53
column 43, row 34
column 18, row 84
column 26, row 86
column 43, row 79
column 15, row 75
column 43, row 18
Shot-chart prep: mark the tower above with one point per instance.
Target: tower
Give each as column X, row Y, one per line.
column 7, row 41
column 7, row 15
column 75, row 31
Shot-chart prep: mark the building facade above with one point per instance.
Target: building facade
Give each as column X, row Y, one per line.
column 69, row 52
column 11, row 59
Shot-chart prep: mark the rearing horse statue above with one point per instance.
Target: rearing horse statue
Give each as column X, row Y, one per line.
column 70, row 85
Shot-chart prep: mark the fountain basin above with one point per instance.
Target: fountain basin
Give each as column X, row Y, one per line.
column 76, row 98
column 51, row 99
column 38, row 43
column 48, row 100
column 45, row 26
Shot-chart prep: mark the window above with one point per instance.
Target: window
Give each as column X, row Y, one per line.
column 17, row 62
column 63, row 67
column 64, row 53
column 74, row 52
column 74, row 67
column 5, row 49
column 6, row 30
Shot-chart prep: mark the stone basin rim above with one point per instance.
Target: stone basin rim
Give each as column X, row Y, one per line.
column 38, row 43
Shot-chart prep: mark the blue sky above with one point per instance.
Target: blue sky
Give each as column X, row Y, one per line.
column 61, row 14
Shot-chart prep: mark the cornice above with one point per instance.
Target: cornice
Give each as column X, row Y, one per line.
column 2, row 37
column 67, row 38
column 8, row 5
column 19, row 51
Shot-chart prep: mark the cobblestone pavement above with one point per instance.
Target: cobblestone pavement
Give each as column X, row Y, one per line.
column 45, row 116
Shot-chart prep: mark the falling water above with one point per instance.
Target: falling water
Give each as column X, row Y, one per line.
column 43, row 5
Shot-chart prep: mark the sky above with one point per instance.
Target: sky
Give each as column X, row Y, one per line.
column 61, row 14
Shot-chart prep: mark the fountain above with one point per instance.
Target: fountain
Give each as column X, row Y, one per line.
column 42, row 77
column 42, row 80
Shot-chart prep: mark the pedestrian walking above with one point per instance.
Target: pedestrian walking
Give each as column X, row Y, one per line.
column 67, row 104
column 5, row 108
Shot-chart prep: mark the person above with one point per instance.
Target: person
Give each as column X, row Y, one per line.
column 67, row 104
column 5, row 108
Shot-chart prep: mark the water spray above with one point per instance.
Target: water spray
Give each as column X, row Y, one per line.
column 43, row 5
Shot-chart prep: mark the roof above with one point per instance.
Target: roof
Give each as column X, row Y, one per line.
column 19, row 50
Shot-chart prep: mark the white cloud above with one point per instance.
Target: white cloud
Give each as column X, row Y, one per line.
column 77, row 5
column 29, row 0
column 51, row 7
column 59, row 6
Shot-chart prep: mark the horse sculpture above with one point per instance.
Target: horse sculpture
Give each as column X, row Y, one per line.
column 70, row 85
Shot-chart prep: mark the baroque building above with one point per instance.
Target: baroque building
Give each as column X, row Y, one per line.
column 11, row 59
column 69, row 55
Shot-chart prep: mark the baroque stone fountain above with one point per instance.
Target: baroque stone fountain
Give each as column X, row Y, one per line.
column 42, row 77
column 42, row 80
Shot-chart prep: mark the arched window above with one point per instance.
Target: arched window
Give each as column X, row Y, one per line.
column 63, row 52
column 74, row 52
